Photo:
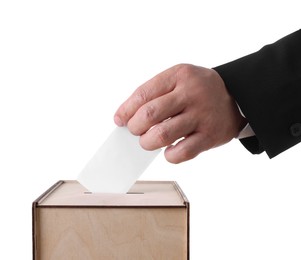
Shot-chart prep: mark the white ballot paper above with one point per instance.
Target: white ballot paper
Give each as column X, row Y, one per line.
column 117, row 164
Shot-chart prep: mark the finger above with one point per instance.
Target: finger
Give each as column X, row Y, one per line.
column 156, row 87
column 155, row 111
column 187, row 148
column 167, row 132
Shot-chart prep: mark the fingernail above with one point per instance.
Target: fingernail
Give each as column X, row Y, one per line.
column 118, row 121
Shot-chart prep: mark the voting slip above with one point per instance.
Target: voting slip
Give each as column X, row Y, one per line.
column 117, row 164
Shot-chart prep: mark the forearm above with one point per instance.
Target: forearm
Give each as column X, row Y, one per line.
column 267, row 87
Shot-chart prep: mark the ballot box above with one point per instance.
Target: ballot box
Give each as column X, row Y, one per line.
column 151, row 222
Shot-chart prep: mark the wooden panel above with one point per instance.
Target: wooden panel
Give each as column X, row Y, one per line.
column 143, row 193
column 111, row 233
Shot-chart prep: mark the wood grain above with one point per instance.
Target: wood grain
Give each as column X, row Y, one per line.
column 111, row 233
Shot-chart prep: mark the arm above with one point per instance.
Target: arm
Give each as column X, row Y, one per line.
column 267, row 87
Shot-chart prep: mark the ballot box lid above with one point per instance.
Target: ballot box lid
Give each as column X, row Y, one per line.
column 70, row 193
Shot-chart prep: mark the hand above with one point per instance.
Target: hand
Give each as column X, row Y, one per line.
column 185, row 102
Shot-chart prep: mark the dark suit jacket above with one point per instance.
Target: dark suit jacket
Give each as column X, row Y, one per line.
column 267, row 87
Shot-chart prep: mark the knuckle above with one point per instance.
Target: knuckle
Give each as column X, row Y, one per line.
column 149, row 113
column 162, row 134
column 141, row 96
column 185, row 69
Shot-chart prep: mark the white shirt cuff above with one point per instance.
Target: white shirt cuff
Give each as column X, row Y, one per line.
column 247, row 131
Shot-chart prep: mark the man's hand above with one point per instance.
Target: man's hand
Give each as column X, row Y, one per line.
column 185, row 102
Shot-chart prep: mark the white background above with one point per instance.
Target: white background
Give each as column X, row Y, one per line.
column 65, row 66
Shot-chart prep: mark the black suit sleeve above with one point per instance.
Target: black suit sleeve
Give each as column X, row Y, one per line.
column 267, row 87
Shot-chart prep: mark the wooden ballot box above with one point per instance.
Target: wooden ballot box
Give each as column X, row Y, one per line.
column 151, row 222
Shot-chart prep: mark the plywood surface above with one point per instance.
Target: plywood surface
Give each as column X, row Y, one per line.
column 143, row 193
column 112, row 233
